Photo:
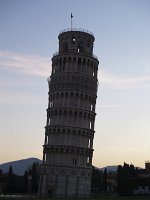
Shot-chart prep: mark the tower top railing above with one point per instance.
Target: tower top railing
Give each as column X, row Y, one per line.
column 57, row 53
column 76, row 29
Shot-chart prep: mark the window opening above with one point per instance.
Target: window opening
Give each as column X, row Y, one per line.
column 51, row 104
column 91, row 107
column 89, row 144
column 49, row 121
column 74, row 161
column 73, row 40
column 88, row 160
column 90, row 125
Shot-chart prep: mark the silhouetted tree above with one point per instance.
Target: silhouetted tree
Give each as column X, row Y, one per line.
column 96, row 182
column 34, row 183
column 25, row 181
column 10, row 180
column 10, row 171
column 126, row 178
column 119, row 171
column 125, row 170
column 1, row 172
column 104, row 183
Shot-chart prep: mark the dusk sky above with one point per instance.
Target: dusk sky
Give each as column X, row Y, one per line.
column 29, row 32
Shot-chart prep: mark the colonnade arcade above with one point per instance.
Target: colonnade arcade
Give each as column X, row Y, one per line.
column 76, row 63
column 80, row 100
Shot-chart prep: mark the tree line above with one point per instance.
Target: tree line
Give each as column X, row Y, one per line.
column 132, row 180
column 127, row 180
column 12, row 183
column 28, row 183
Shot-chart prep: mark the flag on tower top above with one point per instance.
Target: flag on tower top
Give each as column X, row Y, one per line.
column 71, row 20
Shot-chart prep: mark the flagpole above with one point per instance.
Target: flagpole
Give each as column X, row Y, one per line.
column 71, row 21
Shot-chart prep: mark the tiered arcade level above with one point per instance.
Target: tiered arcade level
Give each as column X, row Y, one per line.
column 68, row 147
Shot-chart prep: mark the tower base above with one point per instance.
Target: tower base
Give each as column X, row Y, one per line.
column 62, row 181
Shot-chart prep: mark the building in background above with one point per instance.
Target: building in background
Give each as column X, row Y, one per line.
column 69, row 132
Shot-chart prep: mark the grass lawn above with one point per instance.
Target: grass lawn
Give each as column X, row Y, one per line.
column 112, row 197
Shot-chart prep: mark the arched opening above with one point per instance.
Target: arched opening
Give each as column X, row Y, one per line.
column 50, row 193
column 73, row 40
column 90, row 125
column 65, row 47
column 88, row 160
column 80, row 47
column 74, row 161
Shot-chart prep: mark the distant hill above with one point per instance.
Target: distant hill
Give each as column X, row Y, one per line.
column 19, row 166
column 109, row 168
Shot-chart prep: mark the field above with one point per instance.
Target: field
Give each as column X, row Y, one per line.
column 112, row 197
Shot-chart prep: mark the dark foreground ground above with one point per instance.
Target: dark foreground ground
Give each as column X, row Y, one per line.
column 104, row 197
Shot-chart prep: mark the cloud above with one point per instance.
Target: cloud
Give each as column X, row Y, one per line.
column 119, row 81
column 111, row 106
column 18, row 89
column 30, row 64
column 21, row 99
column 41, row 66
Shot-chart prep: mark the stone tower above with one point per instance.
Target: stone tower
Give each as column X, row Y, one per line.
column 69, row 132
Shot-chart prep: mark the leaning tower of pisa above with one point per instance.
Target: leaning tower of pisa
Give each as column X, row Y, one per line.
column 69, row 132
